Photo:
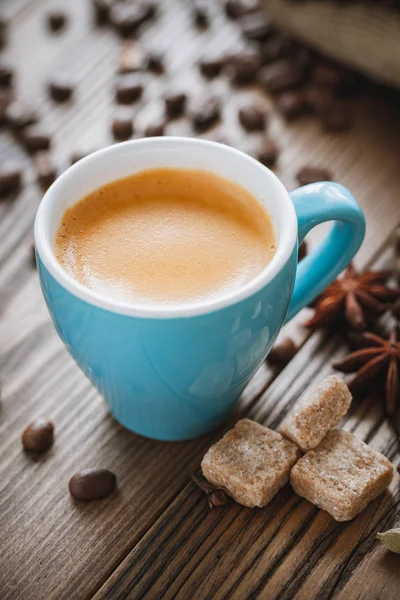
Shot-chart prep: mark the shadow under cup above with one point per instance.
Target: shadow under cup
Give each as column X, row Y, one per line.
column 174, row 372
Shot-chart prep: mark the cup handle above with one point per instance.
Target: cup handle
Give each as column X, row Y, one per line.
column 315, row 204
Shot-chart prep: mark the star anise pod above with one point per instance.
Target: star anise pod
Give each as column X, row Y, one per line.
column 358, row 298
column 378, row 357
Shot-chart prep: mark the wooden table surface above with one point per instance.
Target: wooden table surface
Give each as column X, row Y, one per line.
column 156, row 537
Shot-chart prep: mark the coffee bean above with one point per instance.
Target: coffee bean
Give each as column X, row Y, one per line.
column 10, row 178
column 56, row 20
column 308, row 175
column 175, row 103
column 131, row 58
column 235, row 9
column 6, row 76
column 252, row 117
column 155, row 129
column 19, row 115
column 278, row 46
column 201, row 15
column 155, row 61
column 282, row 353
column 318, row 98
column 127, row 17
column 61, row 88
column 101, row 11
column 211, row 66
column 92, row 484
column 122, row 126
column 281, row 75
column 205, row 112
column 129, row 88
column 38, row 436
column 255, row 27
column 292, row 104
column 6, row 97
column 46, row 171
column 303, row 250
column 267, row 152
column 244, row 67
column 328, row 74
column 337, row 116
column 34, row 138
column 77, row 156
column 33, row 255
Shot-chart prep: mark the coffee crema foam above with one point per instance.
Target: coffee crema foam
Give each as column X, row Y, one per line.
column 165, row 236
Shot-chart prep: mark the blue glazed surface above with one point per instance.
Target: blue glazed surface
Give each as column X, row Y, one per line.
column 177, row 378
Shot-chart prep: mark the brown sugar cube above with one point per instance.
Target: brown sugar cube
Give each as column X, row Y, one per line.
column 250, row 463
column 311, row 419
column 342, row 475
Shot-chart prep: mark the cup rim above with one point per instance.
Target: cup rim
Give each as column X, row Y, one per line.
column 46, row 254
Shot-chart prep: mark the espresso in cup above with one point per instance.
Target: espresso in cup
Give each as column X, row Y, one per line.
column 166, row 236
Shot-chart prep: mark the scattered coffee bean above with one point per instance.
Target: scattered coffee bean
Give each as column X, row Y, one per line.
column 131, row 58
column 19, row 115
column 267, row 152
column 281, row 75
column 282, row 353
column 211, row 66
column 61, row 88
column 92, row 484
column 252, row 117
column 244, row 67
column 201, row 14
column 122, row 125
column 235, row 9
column 308, row 175
column 127, row 17
column 101, row 10
column 292, row 104
column 175, row 104
column 56, row 20
column 6, row 97
column 255, row 27
column 215, row 496
column 34, row 138
column 278, row 46
column 205, row 112
column 303, row 250
column 6, row 76
column 337, row 116
column 10, row 178
column 46, row 171
column 155, row 129
column 155, row 61
column 38, row 436
column 129, row 88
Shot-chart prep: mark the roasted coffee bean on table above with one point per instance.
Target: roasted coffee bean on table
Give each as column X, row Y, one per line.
column 277, row 46
column 131, row 57
column 127, row 17
column 6, row 76
column 292, row 104
column 155, row 129
column 255, row 27
column 244, row 66
column 122, row 125
column 252, row 117
column 312, row 174
column 303, row 250
column 175, row 104
column 282, row 353
column 129, row 88
column 235, row 9
column 61, row 88
column 101, row 10
column 201, row 15
column 10, row 177
column 155, row 61
column 38, row 436
column 46, row 171
column 19, row 115
column 211, row 66
column 92, row 484
column 266, row 151
column 56, row 20
column 205, row 112
column 281, row 75
column 34, row 138
column 6, row 97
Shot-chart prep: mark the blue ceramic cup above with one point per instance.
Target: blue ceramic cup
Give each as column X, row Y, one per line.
column 176, row 372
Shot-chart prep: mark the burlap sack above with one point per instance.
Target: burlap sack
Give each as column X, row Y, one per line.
column 366, row 38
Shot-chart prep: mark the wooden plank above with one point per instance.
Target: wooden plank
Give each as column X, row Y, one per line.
column 51, row 547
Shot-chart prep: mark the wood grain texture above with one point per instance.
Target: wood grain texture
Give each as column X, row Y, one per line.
column 55, row 548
